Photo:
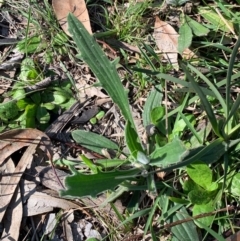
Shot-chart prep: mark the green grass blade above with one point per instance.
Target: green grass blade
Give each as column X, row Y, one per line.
column 190, row 126
column 233, row 111
column 228, row 82
column 98, row 62
column 211, row 85
column 184, row 83
column 206, row 105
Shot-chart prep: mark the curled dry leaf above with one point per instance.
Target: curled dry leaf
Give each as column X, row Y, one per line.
column 77, row 7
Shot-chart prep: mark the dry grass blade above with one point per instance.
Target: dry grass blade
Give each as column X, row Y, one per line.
column 77, row 7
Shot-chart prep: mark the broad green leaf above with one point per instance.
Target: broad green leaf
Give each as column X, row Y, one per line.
column 23, row 103
column 186, row 231
column 215, row 19
column 197, row 28
column 31, row 45
column 8, row 110
column 42, row 115
column 30, row 116
column 82, row 185
column 169, row 154
column 185, row 37
column 36, row 98
column 132, row 141
column 189, row 185
column 103, row 69
column 93, row 141
column 49, row 106
column 235, row 184
column 65, row 91
column 176, row 2
column 59, row 97
column 154, row 99
column 28, row 71
column 68, row 104
column 157, row 114
column 18, row 94
column 200, row 196
column 204, row 208
column 208, row 154
column 200, row 173
column 142, row 158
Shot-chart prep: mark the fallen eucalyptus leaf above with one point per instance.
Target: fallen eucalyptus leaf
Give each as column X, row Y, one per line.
column 77, row 7
column 167, row 41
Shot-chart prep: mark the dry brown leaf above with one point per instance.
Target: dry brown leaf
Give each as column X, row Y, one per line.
column 234, row 237
column 48, row 177
column 77, row 7
column 9, row 188
column 189, row 54
column 13, row 217
column 39, row 203
column 167, row 41
column 14, row 140
column 68, row 218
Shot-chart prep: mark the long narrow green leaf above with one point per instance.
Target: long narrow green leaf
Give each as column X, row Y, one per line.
column 228, row 82
column 184, row 83
column 233, row 110
column 206, row 105
column 190, row 126
column 103, row 69
column 185, row 231
column 93, row 141
column 132, row 140
column 212, row 87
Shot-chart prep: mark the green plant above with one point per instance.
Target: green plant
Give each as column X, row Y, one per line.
column 168, row 154
column 27, row 110
column 127, row 20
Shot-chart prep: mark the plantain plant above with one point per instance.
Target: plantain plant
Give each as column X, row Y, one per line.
column 163, row 153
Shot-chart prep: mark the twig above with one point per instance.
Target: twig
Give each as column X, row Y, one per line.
column 202, row 215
